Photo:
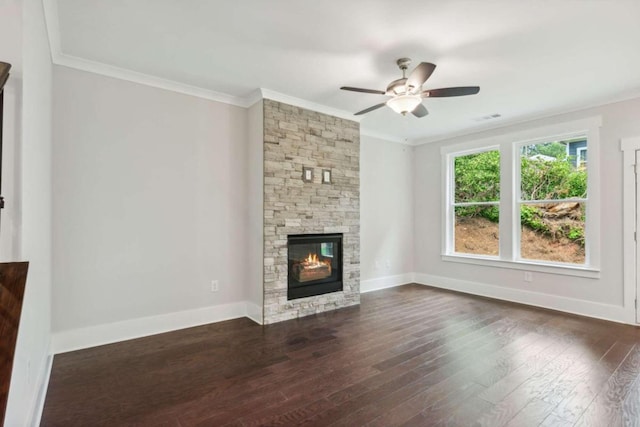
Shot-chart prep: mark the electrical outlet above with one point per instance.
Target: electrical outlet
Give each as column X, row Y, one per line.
column 387, row 264
column 215, row 286
column 378, row 265
column 528, row 276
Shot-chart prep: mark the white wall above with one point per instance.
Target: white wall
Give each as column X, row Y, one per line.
column 254, row 211
column 11, row 51
column 154, row 194
column 386, row 213
column 149, row 205
column 31, row 231
column 151, row 187
column 601, row 297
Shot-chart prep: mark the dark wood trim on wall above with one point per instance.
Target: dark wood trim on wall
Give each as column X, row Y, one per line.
column 4, row 76
column 13, row 277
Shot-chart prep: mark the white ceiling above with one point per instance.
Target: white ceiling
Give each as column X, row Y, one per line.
column 530, row 57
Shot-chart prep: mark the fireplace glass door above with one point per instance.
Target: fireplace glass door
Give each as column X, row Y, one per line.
column 315, row 264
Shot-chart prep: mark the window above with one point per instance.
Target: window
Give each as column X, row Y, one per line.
column 551, row 203
column 581, row 157
column 476, row 203
column 525, row 200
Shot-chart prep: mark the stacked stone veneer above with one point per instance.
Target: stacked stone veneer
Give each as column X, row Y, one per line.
column 293, row 138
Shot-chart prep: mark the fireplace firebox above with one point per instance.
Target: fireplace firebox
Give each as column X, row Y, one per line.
column 315, row 264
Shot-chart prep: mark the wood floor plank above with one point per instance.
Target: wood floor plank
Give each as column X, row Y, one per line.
column 533, row 364
column 411, row 355
column 441, row 404
column 423, row 365
column 427, row 362
column 607, row 405
column 572, row 407
column 501, row 368
column 631, row 405
column 531, row 414
column 417, row 351
column 560, row 389
column 314, row 386
column 430, row 402
column 553, row 420
column 450, row 372
column 468, row 413
column 509, row 409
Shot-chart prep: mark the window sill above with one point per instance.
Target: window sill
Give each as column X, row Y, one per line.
column 566, row 270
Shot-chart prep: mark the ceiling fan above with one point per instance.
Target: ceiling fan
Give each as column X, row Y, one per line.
column 407, row 93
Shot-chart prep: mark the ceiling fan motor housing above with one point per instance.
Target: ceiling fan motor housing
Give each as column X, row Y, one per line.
column 397, row 87
column 403, row 63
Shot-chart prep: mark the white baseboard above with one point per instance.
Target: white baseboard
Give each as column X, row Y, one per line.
column 379, row 283
column 254, row 312
column 43, row 381
column 610, row 312
column 136, row 328
column 92, row 336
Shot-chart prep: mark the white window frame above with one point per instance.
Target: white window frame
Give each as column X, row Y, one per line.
column 509, row 223
column 451, row 214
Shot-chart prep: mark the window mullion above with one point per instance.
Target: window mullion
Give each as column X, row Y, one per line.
column 462, row 204
column 506, row 201
column 550, row 201
column 449, row 215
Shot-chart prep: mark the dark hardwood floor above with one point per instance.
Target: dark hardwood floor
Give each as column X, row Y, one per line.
column 410, row 356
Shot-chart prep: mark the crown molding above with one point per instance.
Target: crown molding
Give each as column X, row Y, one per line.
column 364, row 131
column 253, row 97
column 303, row 103
column 528, row 119
column 52, row 24
column 70, row 61
column 147, row 80
column 58, row 57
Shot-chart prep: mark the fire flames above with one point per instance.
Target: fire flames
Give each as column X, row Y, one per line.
column 312, row 261
column 311, row 268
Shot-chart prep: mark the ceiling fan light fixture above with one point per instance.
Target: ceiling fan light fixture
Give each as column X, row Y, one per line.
column 407, row 93
column 404, row 104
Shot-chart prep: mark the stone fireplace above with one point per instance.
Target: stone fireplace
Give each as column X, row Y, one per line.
column 306, row 205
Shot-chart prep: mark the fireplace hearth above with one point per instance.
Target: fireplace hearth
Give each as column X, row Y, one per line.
column 315, row 264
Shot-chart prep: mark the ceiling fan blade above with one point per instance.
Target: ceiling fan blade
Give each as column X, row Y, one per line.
column 450, row 91
column 420, row 111
column 357, row 89
column 420, row 74
column 375, row 107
